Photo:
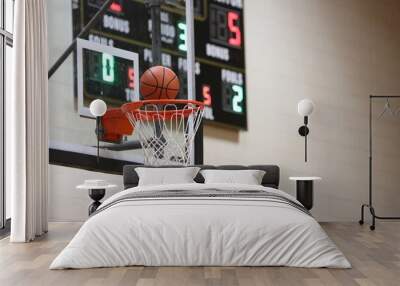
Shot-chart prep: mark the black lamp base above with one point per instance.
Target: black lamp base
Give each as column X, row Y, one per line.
column 96, row 195
column 304, row 131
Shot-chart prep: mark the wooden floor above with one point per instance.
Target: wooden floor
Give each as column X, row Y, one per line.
column 375, row 257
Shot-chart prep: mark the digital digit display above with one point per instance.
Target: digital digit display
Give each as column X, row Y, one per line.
column 207, row 95
column 182, row 36
column 108, row 68
column 219, row 49
column 235, row 35
column 225, row 26
column 232, row 97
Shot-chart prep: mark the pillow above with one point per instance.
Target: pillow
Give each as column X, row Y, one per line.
column 248, row 177
column 165, row 176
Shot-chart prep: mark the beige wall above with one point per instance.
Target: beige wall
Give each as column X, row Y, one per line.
column 66, row 203
column 335, row 53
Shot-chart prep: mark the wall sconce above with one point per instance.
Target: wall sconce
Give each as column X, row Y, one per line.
column 305, row 107
column 98, row 108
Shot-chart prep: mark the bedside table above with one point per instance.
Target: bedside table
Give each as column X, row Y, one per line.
column 304, row 190
column 97, row 190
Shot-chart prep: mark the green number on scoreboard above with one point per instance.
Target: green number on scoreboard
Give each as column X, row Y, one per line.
column 182, row 36
column 237, row 98
column 108, row 67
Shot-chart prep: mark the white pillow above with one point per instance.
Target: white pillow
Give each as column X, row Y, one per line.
column 248, row 177
column 165, row 176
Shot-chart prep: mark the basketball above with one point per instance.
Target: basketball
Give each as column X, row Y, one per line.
column 159, row 82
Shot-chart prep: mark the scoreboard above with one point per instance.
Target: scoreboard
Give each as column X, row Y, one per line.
column 219, row 50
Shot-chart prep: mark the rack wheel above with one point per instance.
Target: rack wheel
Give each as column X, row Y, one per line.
column 361, row 222
column 372, row 227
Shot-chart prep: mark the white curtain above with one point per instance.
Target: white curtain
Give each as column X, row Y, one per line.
column 27, row 125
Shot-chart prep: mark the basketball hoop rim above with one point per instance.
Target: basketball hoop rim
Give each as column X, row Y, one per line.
column 133, row 108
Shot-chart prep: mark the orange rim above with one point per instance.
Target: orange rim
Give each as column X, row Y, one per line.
column 133, row 108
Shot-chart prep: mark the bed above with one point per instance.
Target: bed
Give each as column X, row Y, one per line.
column 198, row 224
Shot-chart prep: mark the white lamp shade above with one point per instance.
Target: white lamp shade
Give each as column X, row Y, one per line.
column 98, row 107
column 305, row 107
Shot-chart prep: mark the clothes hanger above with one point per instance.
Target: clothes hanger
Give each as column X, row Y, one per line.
column 387, row 108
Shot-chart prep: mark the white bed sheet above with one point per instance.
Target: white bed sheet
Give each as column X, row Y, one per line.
column 200, row 232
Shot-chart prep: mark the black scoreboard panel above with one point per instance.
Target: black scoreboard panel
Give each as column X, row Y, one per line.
column 219, row 49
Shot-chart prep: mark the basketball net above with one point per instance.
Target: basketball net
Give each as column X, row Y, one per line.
column 166, row 129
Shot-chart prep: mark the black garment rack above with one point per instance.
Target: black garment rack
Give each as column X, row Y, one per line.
column 370, row 205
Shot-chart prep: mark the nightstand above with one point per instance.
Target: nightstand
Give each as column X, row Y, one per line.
column 304, row 190
column 97, row 190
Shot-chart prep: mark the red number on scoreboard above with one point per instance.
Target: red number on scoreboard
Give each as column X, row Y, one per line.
column 236, row 35
column 131, row 78
column 207, row 95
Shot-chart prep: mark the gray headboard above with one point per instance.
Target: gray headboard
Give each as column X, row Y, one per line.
column 271, row 177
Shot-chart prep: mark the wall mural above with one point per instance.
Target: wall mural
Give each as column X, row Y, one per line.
column 112, row 75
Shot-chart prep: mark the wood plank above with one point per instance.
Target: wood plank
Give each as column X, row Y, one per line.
column 375, row 257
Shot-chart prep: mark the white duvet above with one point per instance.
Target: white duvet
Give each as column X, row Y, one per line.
column 192, row 231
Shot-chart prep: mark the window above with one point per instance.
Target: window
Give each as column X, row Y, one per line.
column 9, row 15
column 6, row 44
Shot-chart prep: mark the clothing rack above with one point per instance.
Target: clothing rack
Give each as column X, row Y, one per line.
column 370, row 205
